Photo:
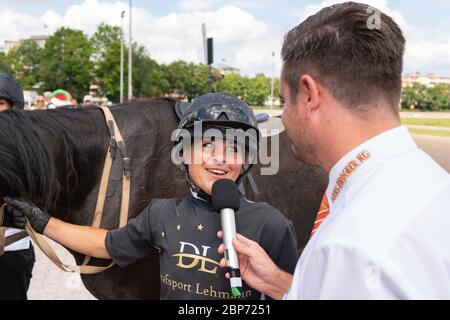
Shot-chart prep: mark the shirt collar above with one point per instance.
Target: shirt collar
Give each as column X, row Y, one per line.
column 205, row 204
column 200, row 202
column 380, row 148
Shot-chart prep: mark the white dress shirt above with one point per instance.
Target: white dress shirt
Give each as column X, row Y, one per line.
column 387, row 235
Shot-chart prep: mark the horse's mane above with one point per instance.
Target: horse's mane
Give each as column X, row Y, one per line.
column 28, row 164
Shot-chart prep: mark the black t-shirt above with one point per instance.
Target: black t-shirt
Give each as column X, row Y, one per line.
column 184, row 232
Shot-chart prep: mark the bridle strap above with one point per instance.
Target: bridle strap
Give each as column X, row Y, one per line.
column 115, row 140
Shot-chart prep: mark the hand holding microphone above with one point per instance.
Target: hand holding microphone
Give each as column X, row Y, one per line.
column 226, row 200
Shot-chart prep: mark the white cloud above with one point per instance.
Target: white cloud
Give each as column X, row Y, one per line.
column 378, row 4
column 17, row 25
column 426, row 50
column 193, row 5
column 242, row 40
column 249, row 4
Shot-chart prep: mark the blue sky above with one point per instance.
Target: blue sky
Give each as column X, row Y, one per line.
column 245, row 31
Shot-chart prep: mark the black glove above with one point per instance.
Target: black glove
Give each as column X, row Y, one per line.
column 19, row 208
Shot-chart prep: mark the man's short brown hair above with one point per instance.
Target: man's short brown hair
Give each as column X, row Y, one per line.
column 358, row 64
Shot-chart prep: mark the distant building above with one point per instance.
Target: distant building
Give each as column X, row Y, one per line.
column 39, row 40
column 226, row 69
column 12, row 44
column 429, row 80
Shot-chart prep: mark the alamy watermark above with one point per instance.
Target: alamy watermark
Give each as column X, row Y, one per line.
column 230, row 146
column 374, row 20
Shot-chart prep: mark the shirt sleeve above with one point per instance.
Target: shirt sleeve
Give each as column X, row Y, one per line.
column 134, row 241
column 343, row 272
column 279, row 241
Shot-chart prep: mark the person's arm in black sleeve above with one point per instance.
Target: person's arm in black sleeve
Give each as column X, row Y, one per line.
column 279, row 240
column 124, row 245
column 132, row 242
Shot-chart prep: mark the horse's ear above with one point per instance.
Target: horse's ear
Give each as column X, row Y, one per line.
column 180, row 108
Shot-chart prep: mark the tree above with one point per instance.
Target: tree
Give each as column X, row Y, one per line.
column 148, row 76
column 4, row 63
column 24, row 62
column 438, row 97
column 198, row 80
column 234, row 84
column 413, row 97
column 255, row 91
column 423, row 98
column 177, row 75
column 66, row 62
column 258, row 90
column 106, row 57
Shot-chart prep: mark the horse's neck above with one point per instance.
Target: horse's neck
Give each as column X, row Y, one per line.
column 76, row 155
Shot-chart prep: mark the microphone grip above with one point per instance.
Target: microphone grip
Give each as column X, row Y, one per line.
column 229, row 232
column 231, row 256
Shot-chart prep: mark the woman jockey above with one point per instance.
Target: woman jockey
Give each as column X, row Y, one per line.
column 217, row 138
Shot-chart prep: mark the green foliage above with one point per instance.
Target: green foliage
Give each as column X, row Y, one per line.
column 66, row 62
column 71, row 61
column 24, row 62
column 259, row 90
column 198, row 83
column 186, row 79
column 4, row 63
column 422, row 98
column 234, row 84
column 106, row 56
column 148, row 76
column 255, row 91
column 177, row 75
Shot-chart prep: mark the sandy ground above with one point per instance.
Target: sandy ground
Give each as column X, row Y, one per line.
column 51, row 283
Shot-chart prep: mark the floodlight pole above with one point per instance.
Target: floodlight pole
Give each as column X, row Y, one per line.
column 121, row 57
column 130, row 60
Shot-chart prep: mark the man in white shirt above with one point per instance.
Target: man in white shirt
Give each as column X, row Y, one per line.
column 382, row 231
column 16, row 264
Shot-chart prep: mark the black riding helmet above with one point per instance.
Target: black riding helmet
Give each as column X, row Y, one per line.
column 11, row 91
column 222, row 111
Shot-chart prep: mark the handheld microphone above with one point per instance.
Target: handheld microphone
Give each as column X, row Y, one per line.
column 226, row 200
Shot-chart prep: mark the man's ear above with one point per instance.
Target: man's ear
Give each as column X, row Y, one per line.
column 309, row 93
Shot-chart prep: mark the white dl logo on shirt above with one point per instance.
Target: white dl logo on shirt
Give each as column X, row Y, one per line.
column 189, row 257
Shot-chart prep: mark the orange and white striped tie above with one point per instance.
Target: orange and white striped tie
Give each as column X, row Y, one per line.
column 324, row 210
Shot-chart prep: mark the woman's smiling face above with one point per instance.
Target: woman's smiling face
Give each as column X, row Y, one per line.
column 214, row 160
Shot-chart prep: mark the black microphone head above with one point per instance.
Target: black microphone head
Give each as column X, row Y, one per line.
column 225, row 194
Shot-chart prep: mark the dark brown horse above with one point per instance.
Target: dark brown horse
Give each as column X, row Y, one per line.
column 55, row 158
